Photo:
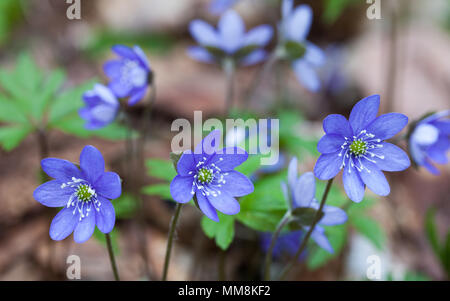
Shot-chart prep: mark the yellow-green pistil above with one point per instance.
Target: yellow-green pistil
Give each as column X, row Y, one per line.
column 205, row 175
column 358, row 147
column 84, row 192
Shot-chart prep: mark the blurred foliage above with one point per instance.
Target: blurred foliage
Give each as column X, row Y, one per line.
column 10, row 14
column 409, row 276
column 440, row 249
column 335, row 8
column 156, row 43
column 114, row 234
column 33, row 100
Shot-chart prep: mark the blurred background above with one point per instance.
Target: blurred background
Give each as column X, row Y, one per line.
column 404, row 57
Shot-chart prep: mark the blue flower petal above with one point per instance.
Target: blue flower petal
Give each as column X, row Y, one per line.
column 225, row 203
column 299, row 23
column 109, row 185
column 237, row 184
column 119, row 88
column 353, row 185
column 259, row 36
column 141, row 57
column 124, row 52
column 286, row 8
column 200, row 54
column 229, row 158
column 232, row 30
column 314, row 55
column 92, row 163
column 395, row 159
column 59, row 169
column 204, row 33
column 186, row 163
column 292, row 173
column 330, row 143
column 206, row 207
column 85, row 228
column 181, row 188
column 137, row 96
column 430, row 167
column 253, row 58
column 374, row 178
column 106, row 217
column 306, row 75
column 364, row 112
column 328, row 166
column 387, row 125
column 438, row 151
column 63, row 224
column 304, row 190
column 51, row 194
column 208, row 145
column 217, row 7
column 318, row 235
column 337, row 124
column 333, row 216
column 113, row 68
column 443, row 126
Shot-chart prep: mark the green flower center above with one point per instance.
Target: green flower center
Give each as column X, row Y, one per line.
column 358, row 147
column 205, row 175
column 85, row 192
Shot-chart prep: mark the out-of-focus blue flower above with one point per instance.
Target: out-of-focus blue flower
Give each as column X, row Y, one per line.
column 218, row 7
column 130, row 74
column 358, row 147
column 305, row 56
column 332, row 73
column 84, row 193
column 101, row 107
column 430, row 141
column 229, row 41
column 286, row 244
column 208, row 173
column 303, row 192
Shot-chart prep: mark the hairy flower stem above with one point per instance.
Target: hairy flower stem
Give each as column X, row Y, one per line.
column 112, row 259
column 229, row 70
column 276, row 234
column 173, row 225
column 302, row 247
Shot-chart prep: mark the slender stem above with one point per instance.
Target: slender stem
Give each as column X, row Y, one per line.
column 308, row 234
column 173, row 225
column 276, row 234
column 229, row 69
column 221, row 265
column 112, row 259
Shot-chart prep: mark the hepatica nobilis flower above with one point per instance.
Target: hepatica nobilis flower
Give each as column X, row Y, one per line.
column 208, row 173
column 429, row 141
column 101, row 107
column 85, row 194
column 229, row 41
column 303, row 191
column 306, row 57
column 357, row 146
column 130, row 75
column 286, row 244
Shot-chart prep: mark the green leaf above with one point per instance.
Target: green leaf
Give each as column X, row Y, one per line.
column 335, row 8
column 222, row 232
column 160, row 190
column 125, row 206
column 431, row 231
column 294, row 50
column 414, row 276
column 445, row 255
column 160, row 169
column 11, row 136
column 10, row 112
column 252, row 164
column 304, row 216
column 370, row 229
column 337, row 235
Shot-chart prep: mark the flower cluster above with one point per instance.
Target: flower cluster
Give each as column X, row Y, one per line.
column 229, row 41
column 129, row 76
column 357, row 146
column 430, row 141
column 208, row 174
column 84, row 193
column 302, row 191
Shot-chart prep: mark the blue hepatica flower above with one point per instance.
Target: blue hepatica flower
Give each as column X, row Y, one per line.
column 218, row 7
column 130, row 74
column 208, row 173
column 84, row 193
column 303, row 191
column 430, row 141
column 229, row 41
column 357, row 146
column 101, row 107
column 286, row 244
column 305, row 56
